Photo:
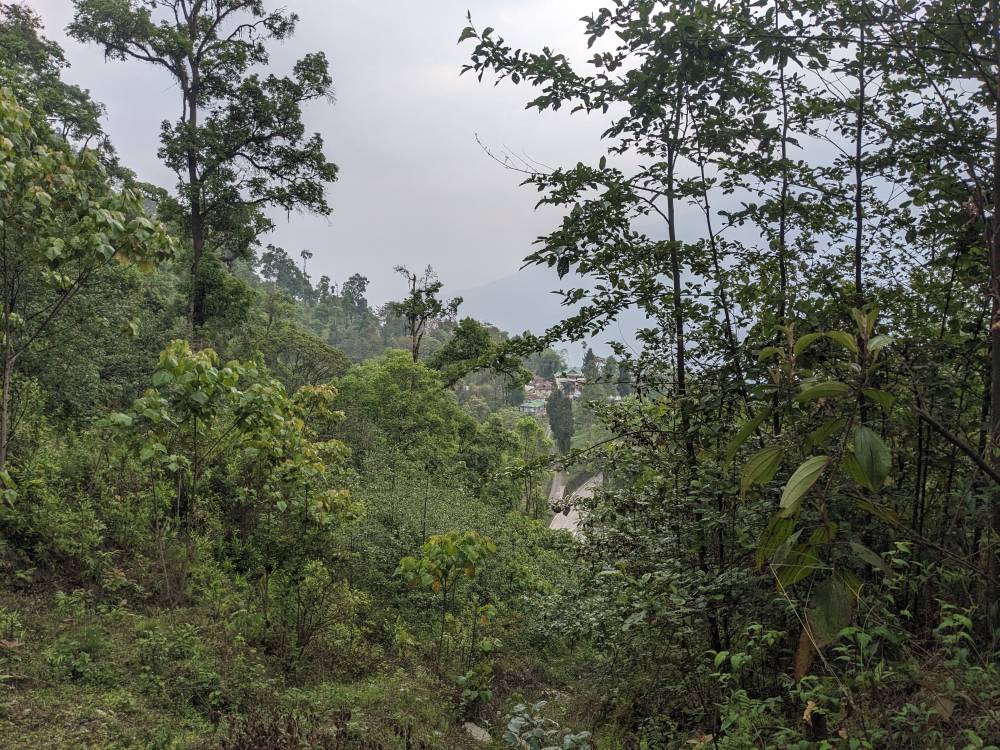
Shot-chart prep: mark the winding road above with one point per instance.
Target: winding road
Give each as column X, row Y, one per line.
column 570, row 520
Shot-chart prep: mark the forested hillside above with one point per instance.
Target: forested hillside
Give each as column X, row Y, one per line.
column 242, row 507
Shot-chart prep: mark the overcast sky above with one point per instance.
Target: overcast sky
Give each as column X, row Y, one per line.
column 414, row 187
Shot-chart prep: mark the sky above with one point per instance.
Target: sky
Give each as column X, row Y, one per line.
column 415, row 187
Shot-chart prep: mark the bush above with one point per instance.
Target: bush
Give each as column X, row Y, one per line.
column 176, row 668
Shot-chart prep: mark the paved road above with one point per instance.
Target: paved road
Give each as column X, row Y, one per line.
column 570, row 521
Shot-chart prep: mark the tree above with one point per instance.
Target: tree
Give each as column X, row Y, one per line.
column 239, row 146
column 62, row 226
column 298, row 358
column 278, row 268
column 31, row 66
column 590, row 368
column 353, row 292
column 446, row 560
column 560, row 410
column 470, row 349
column 421, row 306
column 869, row 415
column 546, row 363
column 398, row 409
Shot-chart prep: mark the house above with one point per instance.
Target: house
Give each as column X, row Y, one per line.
column 534, row 407
column 539, row 388
column 571, row 383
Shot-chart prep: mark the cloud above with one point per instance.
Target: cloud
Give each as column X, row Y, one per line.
column 415, row 186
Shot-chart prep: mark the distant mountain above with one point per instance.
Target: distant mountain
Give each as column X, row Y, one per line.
column 525, row 301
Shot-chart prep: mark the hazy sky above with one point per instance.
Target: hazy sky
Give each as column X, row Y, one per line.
column 414, row 187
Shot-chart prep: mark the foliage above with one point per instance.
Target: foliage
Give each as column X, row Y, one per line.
column 814, row 388
column 559, row 408
column 240, row 145
column 421, row 307
column 63, row 225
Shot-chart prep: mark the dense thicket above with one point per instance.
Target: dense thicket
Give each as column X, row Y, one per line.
column 797, row 544
column 241, row 508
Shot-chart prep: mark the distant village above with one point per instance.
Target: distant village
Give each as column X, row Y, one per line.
column 539, row 389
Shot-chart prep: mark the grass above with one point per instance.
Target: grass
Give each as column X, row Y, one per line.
column 75, row 676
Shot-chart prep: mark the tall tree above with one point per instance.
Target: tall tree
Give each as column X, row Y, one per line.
column 61, row 227
column 590, row 369
column 239, row 146
column 421, row 306
column 560, row 411
column 31, row 66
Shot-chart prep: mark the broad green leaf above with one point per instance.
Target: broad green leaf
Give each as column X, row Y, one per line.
column 874, row 457
column 850, row 464
column 886, row 514
column 829, row 610
column 777, row 531
column 823, row 534
column 467, row 33
column 865, row 321
column 767, row 352
column 829, row 389
column 844, row 339
column 883, row 399
column 745, row 431
column 822, row 433
column 878, row 343
column 804, row 341
column 761, row 467
column 800, row 482
column 869, row 557
column 161, row 377
column 801, row 563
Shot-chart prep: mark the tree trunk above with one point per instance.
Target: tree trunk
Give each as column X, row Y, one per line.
column 8, row 374
column 859, row 208
column 993, row 587
column 197, row 312
column 782, row 223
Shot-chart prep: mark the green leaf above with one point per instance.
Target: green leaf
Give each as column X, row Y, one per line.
column 822, row 433
column 800, row 563
column 830, row 389
column 867, row 556
column 886, row 514
column 767, row 352
column 850, row 464
column 162, row 377
column 829, row 611
column 878, row 343
column 874, row 457
column 745, row 431
column 864, row 321
column 804, row 341
column 467, row 33
column 883, row 399
column 844, row 339
column 799, row 483
column 777, row 531
column 761, row 467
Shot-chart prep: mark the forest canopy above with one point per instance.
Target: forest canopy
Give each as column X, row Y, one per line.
column 243, row 507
